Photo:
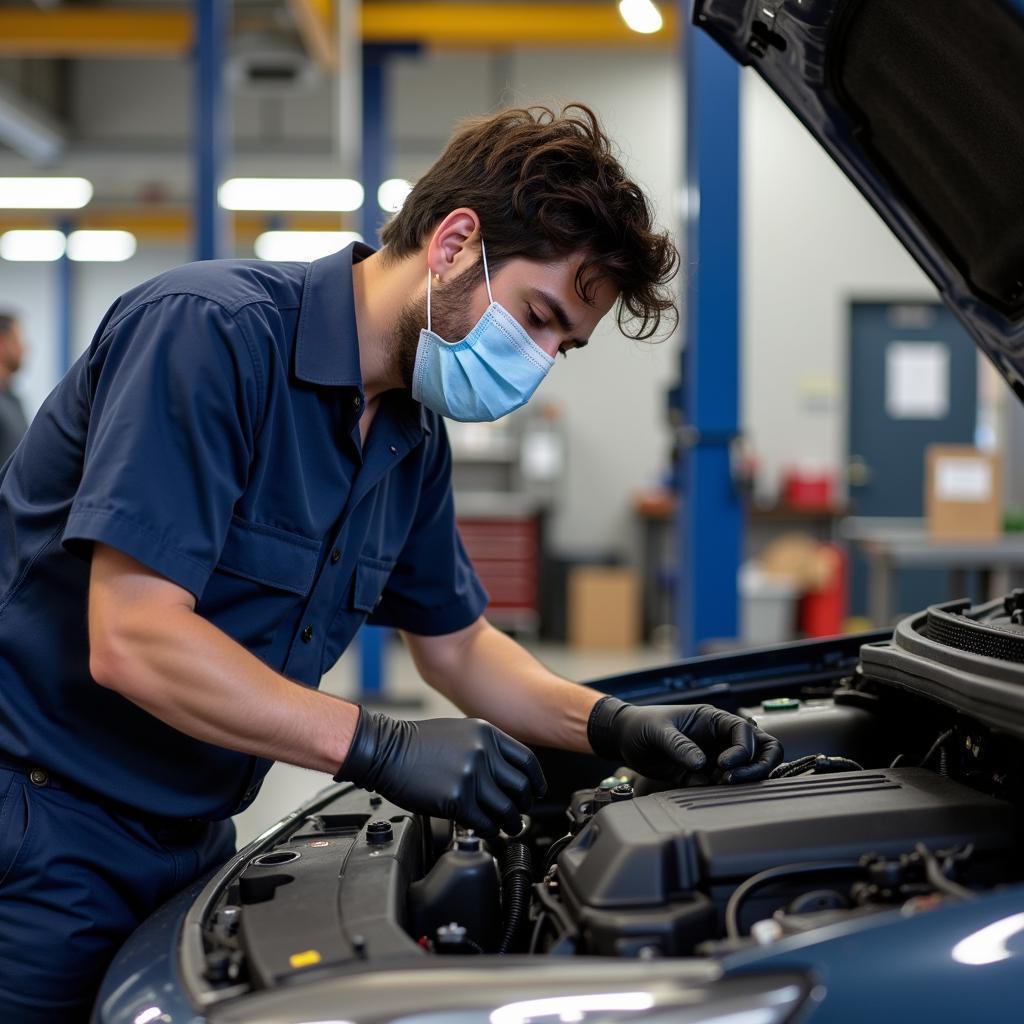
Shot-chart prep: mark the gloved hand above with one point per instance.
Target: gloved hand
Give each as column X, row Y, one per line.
column 460, row 768
column 671, row 741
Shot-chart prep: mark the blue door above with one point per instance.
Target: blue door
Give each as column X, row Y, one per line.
column 913, row 381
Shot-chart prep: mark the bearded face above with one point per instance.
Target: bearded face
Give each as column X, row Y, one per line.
column 450, row 314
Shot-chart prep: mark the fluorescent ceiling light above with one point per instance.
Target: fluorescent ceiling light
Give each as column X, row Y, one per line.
column 32, row 246
column 336, row 195
column 641, row 15
column 302, row 245
column 393, row 193
column 44, row 193
column 101, row 246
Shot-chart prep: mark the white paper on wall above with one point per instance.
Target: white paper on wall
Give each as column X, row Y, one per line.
column 917, row 380
column 963, row 478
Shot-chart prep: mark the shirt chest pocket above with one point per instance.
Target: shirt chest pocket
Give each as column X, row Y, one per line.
column 266, row 554
column 371, row 577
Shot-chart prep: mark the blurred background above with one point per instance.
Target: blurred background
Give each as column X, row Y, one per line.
column 758, row 477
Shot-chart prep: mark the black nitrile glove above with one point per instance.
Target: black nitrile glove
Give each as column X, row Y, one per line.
column 672, row 741
column 460, row 768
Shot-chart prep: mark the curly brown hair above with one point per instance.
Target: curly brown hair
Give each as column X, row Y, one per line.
column 546, row 186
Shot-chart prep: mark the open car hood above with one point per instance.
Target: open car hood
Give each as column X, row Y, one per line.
column 921, row 103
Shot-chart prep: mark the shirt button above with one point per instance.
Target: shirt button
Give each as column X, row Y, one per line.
column 39, row 777
column 307, row 634
column 335, row 555
column 392, row 449
column 357, row 401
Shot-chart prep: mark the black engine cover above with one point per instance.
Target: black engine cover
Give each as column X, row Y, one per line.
column 644, row 857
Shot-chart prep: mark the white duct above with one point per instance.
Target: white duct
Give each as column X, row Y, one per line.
column 28, row 130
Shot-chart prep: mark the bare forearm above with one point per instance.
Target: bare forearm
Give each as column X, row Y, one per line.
column 191, row 675
column 494, row 678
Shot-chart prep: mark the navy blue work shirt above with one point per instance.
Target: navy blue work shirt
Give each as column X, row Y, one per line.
column 211, row 431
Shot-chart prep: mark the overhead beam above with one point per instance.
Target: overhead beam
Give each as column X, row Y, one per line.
column 175, row 225
column 315, row 21
column 29, row 131
column 95, row 32
column 123, row 32
column 505, row 25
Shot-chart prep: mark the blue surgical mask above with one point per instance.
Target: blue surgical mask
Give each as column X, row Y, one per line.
column 491, row 372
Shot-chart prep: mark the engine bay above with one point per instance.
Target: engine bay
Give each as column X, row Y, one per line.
column 892, row 799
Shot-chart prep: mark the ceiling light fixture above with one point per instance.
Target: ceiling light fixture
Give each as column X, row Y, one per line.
column 393, row 193
column 641, row 16
column 44, row 193
column 330, row 195
column 32, row 246
column 101, row 246
column 302, row 246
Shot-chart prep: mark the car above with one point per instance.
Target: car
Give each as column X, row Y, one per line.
column 876, row 875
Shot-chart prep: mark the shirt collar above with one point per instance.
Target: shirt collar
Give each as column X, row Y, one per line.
column 326, row 343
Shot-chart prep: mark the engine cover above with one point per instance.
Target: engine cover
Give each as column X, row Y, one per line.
column 688, row 848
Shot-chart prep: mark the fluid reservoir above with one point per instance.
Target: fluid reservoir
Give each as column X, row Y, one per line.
column 463, row 888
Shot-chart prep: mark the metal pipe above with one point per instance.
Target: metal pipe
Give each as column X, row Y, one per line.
column 65, row 302
column 212, row 127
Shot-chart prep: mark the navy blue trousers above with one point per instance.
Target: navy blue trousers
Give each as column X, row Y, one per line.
column 76, row 878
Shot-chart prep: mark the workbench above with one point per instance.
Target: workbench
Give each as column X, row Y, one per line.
column 892, row 544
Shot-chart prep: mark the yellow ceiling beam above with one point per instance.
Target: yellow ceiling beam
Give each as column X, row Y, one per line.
column 124, row 32
column 173, row 225
column 505, row 25
column 95, row 32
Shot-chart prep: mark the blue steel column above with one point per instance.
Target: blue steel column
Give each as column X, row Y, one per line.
column 375, row 155
column 373, row 168
column 212, row 126
column 65, row 303
column 711, row 522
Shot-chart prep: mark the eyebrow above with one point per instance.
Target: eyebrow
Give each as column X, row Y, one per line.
column 559, row 313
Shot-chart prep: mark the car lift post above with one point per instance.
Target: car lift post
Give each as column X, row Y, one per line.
column 374, row 159
column 211, row 127
column 710, row 519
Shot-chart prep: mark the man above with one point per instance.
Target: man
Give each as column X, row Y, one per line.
column 12, row 354
column 248, row 462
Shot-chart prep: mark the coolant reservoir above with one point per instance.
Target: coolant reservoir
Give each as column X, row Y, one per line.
column 462, row 887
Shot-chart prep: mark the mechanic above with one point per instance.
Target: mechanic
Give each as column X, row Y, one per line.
column 249, row 462
column 13, row 423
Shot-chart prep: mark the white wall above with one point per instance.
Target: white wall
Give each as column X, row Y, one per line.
column 810, row 244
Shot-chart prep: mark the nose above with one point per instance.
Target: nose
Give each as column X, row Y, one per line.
column 547, row 343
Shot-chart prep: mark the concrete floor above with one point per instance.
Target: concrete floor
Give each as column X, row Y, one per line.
column 286, row 786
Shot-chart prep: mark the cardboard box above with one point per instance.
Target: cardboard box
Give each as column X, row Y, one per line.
column 963, row 493
column 604, row 608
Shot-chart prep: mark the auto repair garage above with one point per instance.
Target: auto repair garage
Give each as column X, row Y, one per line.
column 345, row 625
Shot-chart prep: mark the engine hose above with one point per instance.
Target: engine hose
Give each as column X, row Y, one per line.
column 516, row 879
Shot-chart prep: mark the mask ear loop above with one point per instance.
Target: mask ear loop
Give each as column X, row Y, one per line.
column 428, row 300
column 487, row 277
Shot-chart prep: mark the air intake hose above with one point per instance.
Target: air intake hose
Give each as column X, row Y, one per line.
column 516, row 879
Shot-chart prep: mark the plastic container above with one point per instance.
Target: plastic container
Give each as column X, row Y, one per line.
column 768, row 606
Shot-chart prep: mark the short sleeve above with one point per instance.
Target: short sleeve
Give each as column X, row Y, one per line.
column 175, row 398
column 433, row 588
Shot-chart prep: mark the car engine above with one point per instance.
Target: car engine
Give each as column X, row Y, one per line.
column 893, row 799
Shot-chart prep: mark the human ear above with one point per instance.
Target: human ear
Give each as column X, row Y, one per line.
column 453, row 246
